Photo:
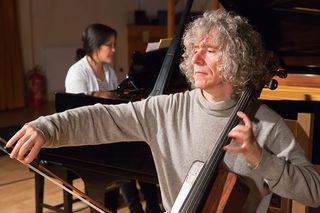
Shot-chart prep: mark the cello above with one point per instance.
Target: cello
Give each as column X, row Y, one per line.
column 210, row 188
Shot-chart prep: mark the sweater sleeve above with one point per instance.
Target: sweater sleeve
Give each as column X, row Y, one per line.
column 91, row 125
column 286, row 170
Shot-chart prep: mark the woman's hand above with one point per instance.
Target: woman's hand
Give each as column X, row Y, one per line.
column 28, row 138
column 248, row 146
column 104, row 94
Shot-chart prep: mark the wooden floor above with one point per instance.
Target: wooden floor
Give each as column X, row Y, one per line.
column 17, row 192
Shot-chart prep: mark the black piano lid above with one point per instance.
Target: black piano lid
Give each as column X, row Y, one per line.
column 290, row 28
column 125, row 160
column 65, row 101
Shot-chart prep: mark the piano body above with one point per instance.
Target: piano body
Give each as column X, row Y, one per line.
column 99, row 166
column 290, row 28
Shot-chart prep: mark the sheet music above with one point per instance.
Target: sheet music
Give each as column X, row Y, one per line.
column 162, row 43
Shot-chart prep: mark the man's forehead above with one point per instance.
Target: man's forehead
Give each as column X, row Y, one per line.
column 209, row 41
column 210, row 38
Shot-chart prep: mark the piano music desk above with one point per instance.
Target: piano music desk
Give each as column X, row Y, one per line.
column 285, row 92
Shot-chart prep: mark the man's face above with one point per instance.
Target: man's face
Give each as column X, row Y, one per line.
column 206, row 58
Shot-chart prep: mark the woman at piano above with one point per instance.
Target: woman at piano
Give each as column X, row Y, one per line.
column 222, row 54
column 93, row 75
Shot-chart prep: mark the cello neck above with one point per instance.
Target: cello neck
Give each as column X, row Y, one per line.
column 172, row 55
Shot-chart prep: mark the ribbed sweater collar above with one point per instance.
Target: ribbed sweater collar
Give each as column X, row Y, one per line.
column 220, row 109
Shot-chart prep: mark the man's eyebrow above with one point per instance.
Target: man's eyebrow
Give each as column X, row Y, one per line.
column 211, row 46
column 205, row 44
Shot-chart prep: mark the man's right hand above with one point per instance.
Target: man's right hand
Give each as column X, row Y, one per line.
column 28, row 142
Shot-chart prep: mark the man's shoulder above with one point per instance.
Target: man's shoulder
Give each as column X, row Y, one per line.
column 264, row 111
column 174, row 99
column 181, row 95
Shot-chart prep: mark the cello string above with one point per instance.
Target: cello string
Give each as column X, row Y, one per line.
column 218, row 151
column 212, row 163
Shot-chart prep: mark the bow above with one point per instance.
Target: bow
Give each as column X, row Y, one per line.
column 37, row 166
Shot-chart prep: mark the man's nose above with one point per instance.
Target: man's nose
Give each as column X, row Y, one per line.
column 198, row 58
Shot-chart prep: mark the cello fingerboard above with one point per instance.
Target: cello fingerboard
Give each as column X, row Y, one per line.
column 186, row 186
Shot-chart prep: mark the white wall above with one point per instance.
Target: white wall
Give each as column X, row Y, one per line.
column 52, row 28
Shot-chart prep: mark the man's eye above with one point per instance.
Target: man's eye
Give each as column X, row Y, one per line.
column 210, row 50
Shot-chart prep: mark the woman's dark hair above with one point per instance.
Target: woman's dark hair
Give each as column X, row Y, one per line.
column 94, row 36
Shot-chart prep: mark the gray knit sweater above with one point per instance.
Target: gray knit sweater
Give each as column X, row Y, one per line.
column 181, row 129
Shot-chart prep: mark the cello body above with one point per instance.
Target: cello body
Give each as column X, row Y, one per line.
column 227, row 194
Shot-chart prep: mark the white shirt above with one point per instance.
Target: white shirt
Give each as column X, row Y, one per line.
column 81, row 79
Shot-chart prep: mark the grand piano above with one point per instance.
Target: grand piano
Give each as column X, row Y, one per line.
column 99, row 166
column 290, row 28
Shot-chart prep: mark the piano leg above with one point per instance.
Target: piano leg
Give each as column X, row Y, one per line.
column 67, row 197
column 96, row 187
column 111, row 199
column 39, row 188
column 65, row 174
column 151, row 193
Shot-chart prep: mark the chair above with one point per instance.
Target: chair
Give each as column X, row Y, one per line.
column 302, row 128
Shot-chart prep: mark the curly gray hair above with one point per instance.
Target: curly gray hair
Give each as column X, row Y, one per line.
column 244, row 59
